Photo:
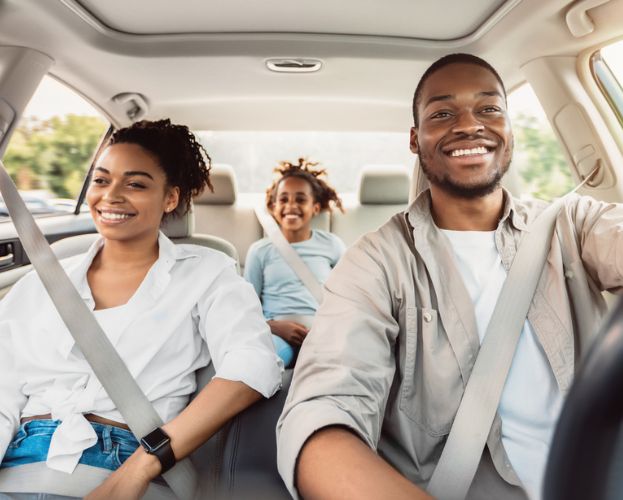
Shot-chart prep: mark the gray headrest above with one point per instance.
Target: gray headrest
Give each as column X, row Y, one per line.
column 384, row 185
column 223, row 179
column 179, row 226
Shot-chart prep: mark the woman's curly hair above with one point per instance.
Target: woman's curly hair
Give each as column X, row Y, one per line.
column 185, row 162
column 324, row 194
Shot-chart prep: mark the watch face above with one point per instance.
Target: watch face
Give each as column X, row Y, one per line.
column 155, row 440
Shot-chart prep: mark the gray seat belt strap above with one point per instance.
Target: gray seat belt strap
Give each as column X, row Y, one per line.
column 101, row 355
column 292, row 258
column 463, row 449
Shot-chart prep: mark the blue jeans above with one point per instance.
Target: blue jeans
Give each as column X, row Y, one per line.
column 32, row 441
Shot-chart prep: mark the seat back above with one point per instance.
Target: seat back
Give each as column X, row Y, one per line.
column 224, row 215
column 230, row 215
column 383, row 191
column 240, row 461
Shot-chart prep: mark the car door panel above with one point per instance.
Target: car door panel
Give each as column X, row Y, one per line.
column 14, row 262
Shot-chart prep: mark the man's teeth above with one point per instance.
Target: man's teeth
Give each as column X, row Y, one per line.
column 474, row 151
column 111, row 216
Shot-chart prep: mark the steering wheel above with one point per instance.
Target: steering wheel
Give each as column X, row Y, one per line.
column 583, row 460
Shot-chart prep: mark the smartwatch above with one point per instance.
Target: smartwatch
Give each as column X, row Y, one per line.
column 158, row 443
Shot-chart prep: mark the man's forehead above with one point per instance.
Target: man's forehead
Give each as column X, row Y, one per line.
column 459, row 78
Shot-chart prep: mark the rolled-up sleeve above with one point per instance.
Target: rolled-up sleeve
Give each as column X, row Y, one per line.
column 237, row 335
column 599, row 228
column 346, row 365
column 12, row 400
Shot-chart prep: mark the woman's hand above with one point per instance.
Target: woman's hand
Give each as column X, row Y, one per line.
column 293, row 333
column 217, row 402
column 130, row 481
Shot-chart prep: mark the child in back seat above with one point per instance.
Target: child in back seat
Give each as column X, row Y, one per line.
column 293, row 199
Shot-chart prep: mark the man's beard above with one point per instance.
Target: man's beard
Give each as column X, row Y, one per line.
column 445, row 183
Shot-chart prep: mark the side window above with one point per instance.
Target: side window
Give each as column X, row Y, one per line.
column 49, row 151
column 607, row 66
column 540, row 164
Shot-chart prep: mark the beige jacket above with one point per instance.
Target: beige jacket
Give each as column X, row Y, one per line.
column 395, row 339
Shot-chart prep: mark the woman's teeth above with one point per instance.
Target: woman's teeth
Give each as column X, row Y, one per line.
column 114, row 216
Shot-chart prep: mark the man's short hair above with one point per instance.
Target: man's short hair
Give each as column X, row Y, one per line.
column 458, row 58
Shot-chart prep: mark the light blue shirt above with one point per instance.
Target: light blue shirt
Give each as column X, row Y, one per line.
column 279, row 288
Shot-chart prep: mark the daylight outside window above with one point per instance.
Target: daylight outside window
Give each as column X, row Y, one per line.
column 49, row 152
column 254, row 155
column 607, row 65
column 541, row 168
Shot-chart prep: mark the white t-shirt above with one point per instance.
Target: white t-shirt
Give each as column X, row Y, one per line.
column 192, row 308
column 531, row 399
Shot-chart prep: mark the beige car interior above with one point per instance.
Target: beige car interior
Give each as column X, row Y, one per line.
column 279, row 65
column 231, row 227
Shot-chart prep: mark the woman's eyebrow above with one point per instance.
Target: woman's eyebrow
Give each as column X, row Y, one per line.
column 130, row 173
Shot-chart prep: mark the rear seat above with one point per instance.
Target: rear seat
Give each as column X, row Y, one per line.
column 230, row 215
column 226, row 215
column 383, row 191
column 240, row 461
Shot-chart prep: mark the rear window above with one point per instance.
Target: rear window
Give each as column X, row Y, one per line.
column 254, row 155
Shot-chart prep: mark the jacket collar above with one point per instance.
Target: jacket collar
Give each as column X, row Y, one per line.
column 515, row 212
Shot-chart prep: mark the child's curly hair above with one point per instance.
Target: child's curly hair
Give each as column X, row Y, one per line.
column 324, row 194
column 185, row 162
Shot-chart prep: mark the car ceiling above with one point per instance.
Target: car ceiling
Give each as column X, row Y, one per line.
column 398, row 18
column 203, row 63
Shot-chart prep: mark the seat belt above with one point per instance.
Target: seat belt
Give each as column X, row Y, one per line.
column 463, row 450
column 99, row 352
column 292, row 258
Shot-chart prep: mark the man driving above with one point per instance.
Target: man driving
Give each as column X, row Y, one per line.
column 384, row 369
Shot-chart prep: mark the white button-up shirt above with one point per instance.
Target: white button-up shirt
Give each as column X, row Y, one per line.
column 191, row 308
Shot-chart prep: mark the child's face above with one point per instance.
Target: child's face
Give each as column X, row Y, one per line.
column 295, row 204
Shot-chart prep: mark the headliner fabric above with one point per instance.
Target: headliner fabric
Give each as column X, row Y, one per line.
column 384, row 185
column 401, row 18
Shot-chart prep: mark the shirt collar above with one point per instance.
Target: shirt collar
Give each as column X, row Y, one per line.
column 515, row 213
column 168, row 254
column 153, row 286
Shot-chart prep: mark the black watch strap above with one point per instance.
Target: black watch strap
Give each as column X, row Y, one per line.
column 158, row 443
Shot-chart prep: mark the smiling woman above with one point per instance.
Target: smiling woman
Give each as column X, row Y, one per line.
column 129, row 192
column 132, row 278
column 51, row 149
